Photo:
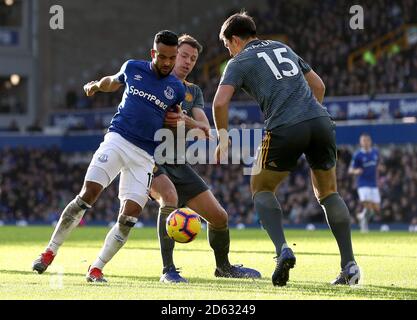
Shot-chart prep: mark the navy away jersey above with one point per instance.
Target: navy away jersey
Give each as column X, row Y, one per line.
column 271, row 73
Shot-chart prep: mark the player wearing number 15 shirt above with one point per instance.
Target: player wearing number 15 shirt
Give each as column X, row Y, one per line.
column 285, row 102
column 290, row 94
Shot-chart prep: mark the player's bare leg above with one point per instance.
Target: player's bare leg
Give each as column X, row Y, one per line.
column 263, row 186
column 70, row 218
column 338, row 218
column 163, row 190
column 207, row 206
column 115, row 239
column 218, row 235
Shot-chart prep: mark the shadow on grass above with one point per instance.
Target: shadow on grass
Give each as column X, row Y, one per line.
column 360, row 291
column 33, row 234
column 31, row 273
column 301, row 253
column 300, row 289
column 297, row 253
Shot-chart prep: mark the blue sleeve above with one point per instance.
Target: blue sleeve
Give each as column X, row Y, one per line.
column 121, row 75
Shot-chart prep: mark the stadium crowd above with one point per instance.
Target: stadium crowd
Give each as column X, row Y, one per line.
column 36, row 184
column 324, row 40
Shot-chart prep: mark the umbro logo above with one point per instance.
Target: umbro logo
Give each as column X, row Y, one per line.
column 103, row 158
column 138, row 77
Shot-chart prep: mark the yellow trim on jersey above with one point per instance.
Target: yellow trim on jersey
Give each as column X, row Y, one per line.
column 188, row 97
column 266, row 148
column 189, row 84
column 261, row 153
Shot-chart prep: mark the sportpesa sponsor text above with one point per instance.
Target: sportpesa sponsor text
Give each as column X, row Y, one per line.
column 148, row 96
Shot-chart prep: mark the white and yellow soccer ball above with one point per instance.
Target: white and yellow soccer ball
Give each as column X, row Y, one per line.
column 183, row 225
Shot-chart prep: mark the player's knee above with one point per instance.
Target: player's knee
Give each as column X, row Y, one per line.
column 131, row 208
column 323, row 194
column 169, row 197
column 90, row 192
column 256, row 188
column 219, row 220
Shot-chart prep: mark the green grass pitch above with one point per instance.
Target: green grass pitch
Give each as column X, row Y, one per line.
column 388, row 262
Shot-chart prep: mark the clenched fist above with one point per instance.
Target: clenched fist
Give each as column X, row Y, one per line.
column 91, row 88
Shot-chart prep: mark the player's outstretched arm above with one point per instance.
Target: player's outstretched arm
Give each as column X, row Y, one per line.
column 355, row 166
column 221, row 103
column 221, row 106
column 316, row 85
column 106, row 84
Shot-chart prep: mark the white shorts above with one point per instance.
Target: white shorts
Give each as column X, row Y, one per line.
column 117, row 155
column 369, row 194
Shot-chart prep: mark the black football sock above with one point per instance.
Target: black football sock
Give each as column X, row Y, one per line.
column 270, row 214
column 166, row 244
column 219, row 240
column 338, row 219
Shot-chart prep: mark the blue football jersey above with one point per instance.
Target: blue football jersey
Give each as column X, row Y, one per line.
column 368, row 162
column 146, row 99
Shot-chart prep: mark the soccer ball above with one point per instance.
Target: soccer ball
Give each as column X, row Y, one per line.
column 183, row 225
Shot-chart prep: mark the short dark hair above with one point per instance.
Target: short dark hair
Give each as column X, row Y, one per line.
column 187, row 39
column 240, row 24
column 166, row 37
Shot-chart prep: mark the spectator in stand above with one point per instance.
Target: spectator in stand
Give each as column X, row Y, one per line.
column 13, row 126
column 35, row 184
column 35, row 127
column 323, row 40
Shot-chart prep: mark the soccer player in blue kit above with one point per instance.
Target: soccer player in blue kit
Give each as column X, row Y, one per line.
column 364, row 165
column 128, row 148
